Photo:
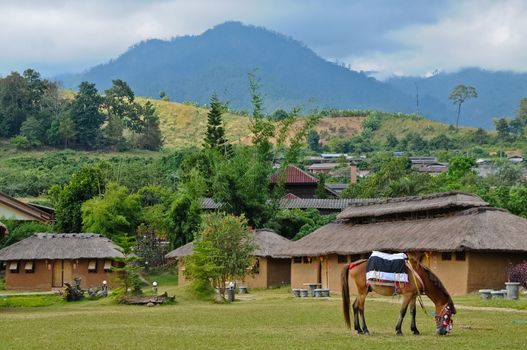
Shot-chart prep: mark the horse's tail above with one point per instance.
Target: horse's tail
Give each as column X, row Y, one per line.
column 346, row 295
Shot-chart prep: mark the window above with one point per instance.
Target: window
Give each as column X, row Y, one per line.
column 342, row 259
column 29, row 267
column 460, row 256
column 107, row 265
column 297, row 260
column 92, row 266
column 446, row 256
column 13, row 267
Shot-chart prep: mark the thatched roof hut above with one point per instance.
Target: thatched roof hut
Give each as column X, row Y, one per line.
column 61, row 246
column 267, row 242
column 468, row 244
column 447, row 201
column 482, row 228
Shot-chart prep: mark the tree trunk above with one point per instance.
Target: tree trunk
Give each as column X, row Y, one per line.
column 458, row 112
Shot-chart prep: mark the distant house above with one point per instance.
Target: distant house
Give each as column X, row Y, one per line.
column 45, row 261
column 269, row 269
column 467, row 243
column 428, row 165
column 515, row 159
column 290, row 201
column 12, row 208
column 297, row 182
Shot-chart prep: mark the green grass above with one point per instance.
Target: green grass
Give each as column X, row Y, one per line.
column 475, row 300
column 2, row 284
column 29, row 301
column 262, row 320
column 163, row 278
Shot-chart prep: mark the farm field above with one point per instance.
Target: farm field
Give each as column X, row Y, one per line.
column 269, row 319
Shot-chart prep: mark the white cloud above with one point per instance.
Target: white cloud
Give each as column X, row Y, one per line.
column 488, row 34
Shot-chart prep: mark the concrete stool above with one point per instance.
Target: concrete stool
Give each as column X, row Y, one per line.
column 243, row 289
column 498, row 294
column 304, row 293
column 317, row 293
column 325, row 292
column 485, row 294
column 296, row 292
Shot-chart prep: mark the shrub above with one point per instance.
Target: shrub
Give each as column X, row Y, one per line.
column 518, row 273
column 21, row 142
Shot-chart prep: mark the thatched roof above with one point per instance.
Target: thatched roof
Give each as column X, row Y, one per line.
column 480, row 228
column 268, row 243
column 61, row 246
column 391, row 206
column 184, row 250
column 290, row 201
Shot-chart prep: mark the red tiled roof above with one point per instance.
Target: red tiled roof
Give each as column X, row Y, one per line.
column 295, row 175
column 290, row 196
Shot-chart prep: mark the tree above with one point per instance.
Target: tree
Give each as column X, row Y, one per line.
column 66, row 130
column 215, row 136
column 521, row 113
column 86, row 115
column 112, row 214
column 185, row 213
column 313, row 141
column 459, row 95
column 85, row 184
column 224, row 248
column 151, row 137
column 391, row 141
column 502, row 128
column 261, row 128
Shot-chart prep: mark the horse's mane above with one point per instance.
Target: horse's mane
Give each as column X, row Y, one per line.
column 439, row 285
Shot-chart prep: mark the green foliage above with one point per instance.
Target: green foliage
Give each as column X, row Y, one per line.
column 21, row 142
column 18, row 230
column 129, row 277
column 313, row 141
column 185, row 213
column 202, row 270
column 241, row 184
column 215, row 137
column 224, row 251
column 87, row 183
column 114, row 213
column 151, row 138
column 459, row 95
column 85, row 112
column 297, row 223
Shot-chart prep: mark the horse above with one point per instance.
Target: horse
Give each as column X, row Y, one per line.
column 421, row 281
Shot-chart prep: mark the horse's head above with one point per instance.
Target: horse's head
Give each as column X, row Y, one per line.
column 444, row 322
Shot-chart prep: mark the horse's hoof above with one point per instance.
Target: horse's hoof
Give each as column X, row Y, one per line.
column 399, row 333
column 366, row 332
column 416, row 332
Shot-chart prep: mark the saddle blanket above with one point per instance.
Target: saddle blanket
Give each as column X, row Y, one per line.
column 387, row 267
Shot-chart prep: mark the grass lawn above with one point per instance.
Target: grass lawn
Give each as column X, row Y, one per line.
column 269, row 319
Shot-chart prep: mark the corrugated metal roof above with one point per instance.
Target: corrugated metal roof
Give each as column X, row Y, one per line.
column 292, row 202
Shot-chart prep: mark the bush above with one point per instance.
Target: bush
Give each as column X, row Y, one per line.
column 518, row 273
column 21, row 142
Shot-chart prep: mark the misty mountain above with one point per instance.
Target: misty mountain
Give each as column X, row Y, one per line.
column 192, row 68
column 499, row 94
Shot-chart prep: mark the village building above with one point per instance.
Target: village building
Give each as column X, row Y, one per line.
column 269, row 268
column 467, row 243
column 298, row 182
column 12, row 208
column 46, row 261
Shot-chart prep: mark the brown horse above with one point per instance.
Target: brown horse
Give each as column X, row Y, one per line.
column 420, row 281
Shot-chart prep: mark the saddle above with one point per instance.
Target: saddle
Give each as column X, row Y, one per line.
column 387, row 269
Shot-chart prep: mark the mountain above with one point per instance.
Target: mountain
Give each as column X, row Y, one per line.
column 192, row 68
column 499, row 94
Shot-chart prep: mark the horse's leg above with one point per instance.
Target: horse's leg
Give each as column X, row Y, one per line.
column 406, row 301
column 413, row 312
column 356, row 315
column 361, row 310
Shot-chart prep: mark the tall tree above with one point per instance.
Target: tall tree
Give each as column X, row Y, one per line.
column 150, row 137
column 14, row 104
column 215, row 137
column 85, row 112
column 459, row 95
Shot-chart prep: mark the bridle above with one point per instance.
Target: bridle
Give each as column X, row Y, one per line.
column 444, row 318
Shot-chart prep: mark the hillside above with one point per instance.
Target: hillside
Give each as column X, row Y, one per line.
column 499, row 94
column 192, row 68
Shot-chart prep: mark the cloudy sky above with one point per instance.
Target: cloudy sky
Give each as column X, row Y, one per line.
column 403, row 37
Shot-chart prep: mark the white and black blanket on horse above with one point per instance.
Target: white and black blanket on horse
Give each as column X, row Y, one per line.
column 387, row 269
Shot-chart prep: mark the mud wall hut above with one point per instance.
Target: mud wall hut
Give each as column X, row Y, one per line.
column 45, row 261
column 269, row 268
column 467, row 243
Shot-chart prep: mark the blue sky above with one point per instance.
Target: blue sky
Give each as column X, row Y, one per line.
column 403, row 37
